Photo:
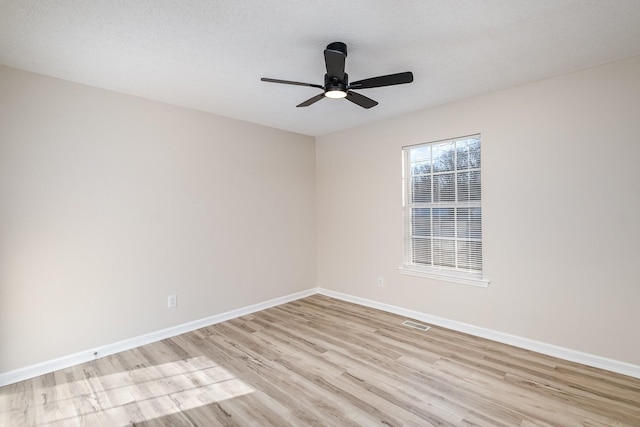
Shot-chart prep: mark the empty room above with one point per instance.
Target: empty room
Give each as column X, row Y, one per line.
column 295, row 213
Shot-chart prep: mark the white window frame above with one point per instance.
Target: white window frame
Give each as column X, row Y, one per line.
column 438, row 272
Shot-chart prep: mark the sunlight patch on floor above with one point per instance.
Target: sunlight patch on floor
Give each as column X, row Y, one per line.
column 132, row 396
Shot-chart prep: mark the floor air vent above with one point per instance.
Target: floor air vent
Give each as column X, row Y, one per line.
column 415, row 325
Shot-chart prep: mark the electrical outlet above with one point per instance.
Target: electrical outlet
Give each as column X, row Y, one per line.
column 381, row 281
column 172, row 301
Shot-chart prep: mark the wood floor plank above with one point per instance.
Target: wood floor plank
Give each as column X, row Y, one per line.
column 319, row 361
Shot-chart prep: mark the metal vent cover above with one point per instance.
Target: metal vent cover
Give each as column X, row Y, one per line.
column 415, row 325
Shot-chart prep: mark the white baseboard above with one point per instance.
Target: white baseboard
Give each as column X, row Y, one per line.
column 106, row 350
column 528, row 344
column 128, row 344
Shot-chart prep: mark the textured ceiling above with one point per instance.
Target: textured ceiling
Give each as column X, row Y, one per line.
column 210, row 54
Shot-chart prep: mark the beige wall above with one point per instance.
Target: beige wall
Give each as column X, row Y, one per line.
column 109, row 203
column 561, row 205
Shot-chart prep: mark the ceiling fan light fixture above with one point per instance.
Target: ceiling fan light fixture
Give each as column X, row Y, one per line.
column 335, row 94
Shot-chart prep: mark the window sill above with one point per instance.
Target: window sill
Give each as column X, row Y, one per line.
column 464, row 280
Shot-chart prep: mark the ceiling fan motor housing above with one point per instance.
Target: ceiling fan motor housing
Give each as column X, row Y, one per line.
column 331, row 83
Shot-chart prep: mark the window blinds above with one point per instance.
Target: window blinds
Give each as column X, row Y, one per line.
column 441, row 204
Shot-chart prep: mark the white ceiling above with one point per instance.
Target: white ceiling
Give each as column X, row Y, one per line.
column 210, row 54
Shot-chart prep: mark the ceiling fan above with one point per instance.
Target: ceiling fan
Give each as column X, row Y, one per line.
column 336, row 81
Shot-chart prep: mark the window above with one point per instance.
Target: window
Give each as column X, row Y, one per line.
column 442, row 210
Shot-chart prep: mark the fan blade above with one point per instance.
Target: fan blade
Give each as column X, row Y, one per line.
column 334, row 60
column 361, row 100
column 288, row 82
column 311, row 100
column 388, row 80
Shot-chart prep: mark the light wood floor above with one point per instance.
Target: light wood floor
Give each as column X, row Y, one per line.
column 324, row 362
